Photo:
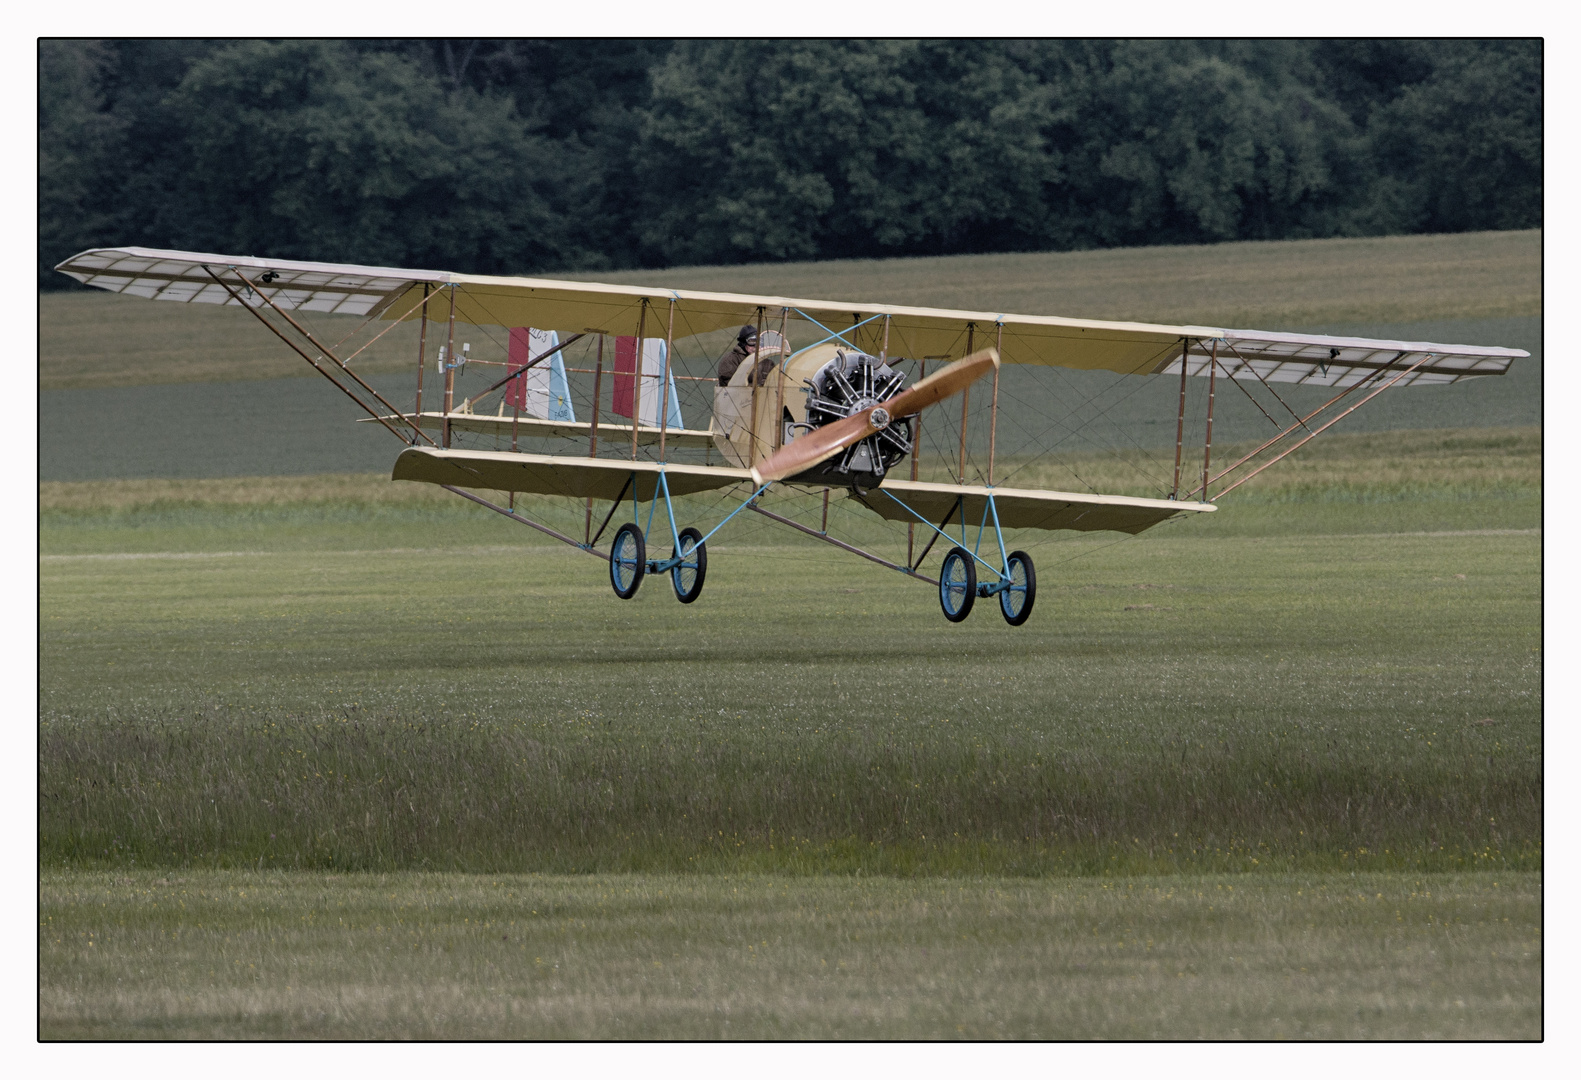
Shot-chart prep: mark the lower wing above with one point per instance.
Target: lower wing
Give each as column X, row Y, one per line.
column 544, row 474
column 1021, row 508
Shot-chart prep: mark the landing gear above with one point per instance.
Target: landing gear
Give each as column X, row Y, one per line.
column 691, row 568
column 1014, row 582
column 1020, row 589
column 628, row 559
column 957, row 584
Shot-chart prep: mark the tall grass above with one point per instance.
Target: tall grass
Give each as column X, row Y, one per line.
column 357, row 790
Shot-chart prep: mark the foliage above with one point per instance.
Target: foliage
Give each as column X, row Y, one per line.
column 521, row 156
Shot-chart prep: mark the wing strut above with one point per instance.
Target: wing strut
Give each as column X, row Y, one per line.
column 1325, row 427
column 612, row 508
column 1180, row 423
column 1352, row 388
column 275, row 330
column 959, row 500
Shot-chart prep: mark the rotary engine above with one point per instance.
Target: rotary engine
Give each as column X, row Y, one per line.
column 849, row 383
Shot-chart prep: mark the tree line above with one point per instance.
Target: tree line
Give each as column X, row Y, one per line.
column 536, row 156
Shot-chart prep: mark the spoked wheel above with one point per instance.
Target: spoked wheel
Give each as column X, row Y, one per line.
column 957, row 584
column 688, row 574
column 628, row 559
column 1015, row 601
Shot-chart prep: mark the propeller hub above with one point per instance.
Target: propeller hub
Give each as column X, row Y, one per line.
column 879, row 418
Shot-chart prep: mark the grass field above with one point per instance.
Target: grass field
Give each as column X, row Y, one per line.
column 92, row 339
column 1336, row 676
column 358, row 691
column 330, row 757
column 1267, row 284
column 244, row 954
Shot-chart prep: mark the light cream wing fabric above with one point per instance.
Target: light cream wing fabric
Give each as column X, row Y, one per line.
column 1022, row 508
column 572, row 306
column 543, row 474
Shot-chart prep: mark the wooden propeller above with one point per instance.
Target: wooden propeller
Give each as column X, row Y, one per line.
column 823, row 443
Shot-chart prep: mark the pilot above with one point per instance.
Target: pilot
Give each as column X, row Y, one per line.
column 746, row 341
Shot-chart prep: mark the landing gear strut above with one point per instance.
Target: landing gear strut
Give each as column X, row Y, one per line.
column 688, row 562
column 1015, row 582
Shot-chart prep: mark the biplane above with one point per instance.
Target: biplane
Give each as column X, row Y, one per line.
column 840, row 413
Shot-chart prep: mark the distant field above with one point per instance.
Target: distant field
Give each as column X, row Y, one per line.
column 301, row 426
column 138, row 954
column 1273, row 285
column 100, row 340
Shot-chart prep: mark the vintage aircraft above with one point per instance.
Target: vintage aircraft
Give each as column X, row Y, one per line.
column 841, row 413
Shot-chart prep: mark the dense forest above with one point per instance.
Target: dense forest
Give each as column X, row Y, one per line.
column 535, row 156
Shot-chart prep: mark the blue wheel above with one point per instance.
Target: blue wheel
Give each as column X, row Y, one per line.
column 628, row 560
column 687, row 575
column 957, row 584
column 1015, row 601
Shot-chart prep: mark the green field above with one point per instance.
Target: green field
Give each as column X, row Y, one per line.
column 298, row 676
column 320, row 759
column 1200, row 697
column 331, row 757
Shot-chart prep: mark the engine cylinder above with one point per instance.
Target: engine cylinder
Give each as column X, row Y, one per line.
column 846, row 385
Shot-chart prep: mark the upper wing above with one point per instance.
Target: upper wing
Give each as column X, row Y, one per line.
column 1126, row 347
column 1320, row 360
column 1019, row 508
column 184, row 277
column 543, row 474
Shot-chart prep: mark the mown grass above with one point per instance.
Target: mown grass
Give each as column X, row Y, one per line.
column 1287, row 693
column 137, row 954
column 101, row 340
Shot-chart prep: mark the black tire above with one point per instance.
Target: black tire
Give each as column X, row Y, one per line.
column 957, row 584
column 1015, row 602
column 628, row 560
column 687, row 577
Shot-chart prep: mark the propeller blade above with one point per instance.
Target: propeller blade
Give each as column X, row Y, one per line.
column 818, row 445
column 823, row 443
column 943, row 383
